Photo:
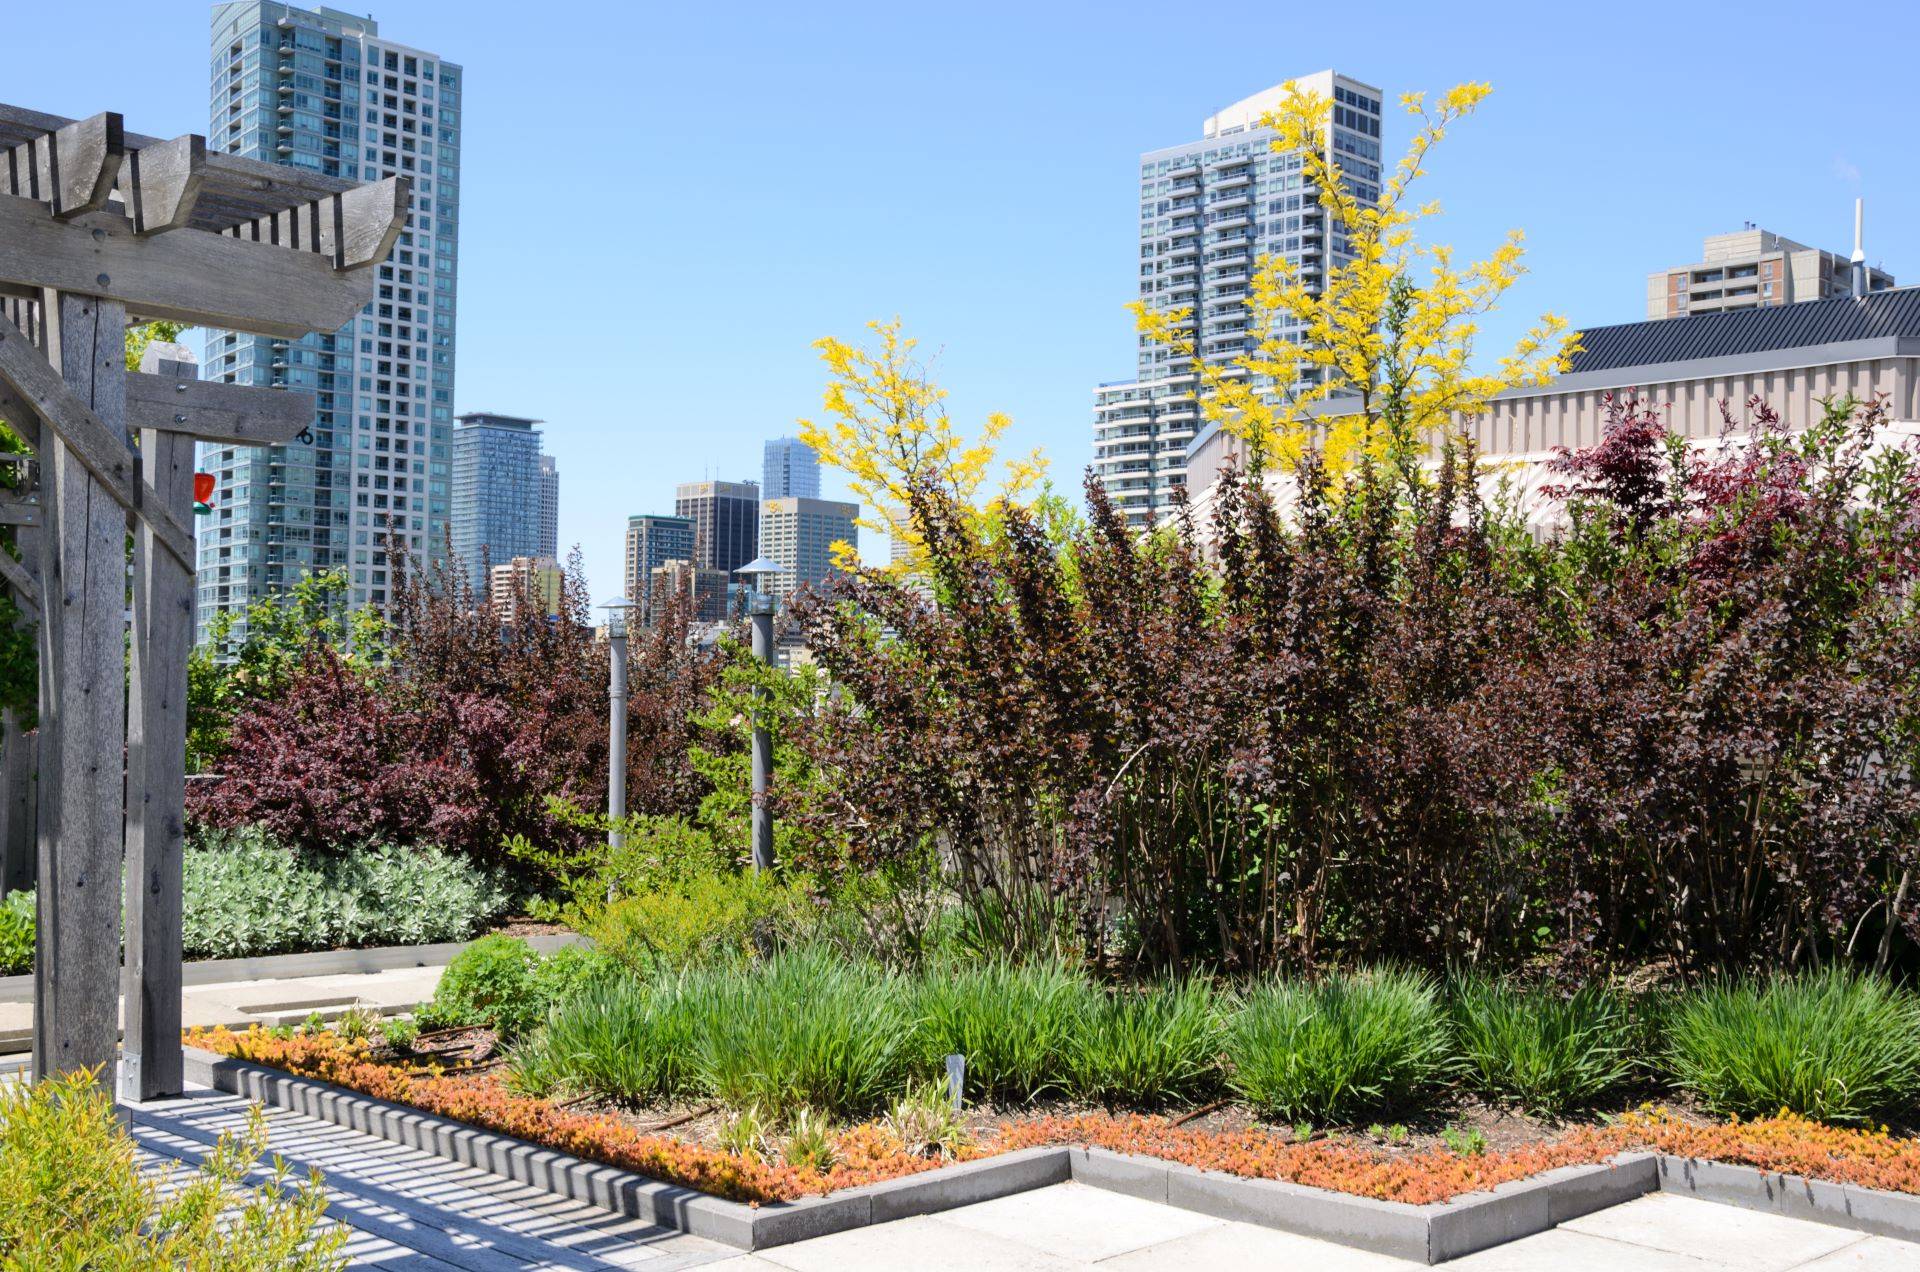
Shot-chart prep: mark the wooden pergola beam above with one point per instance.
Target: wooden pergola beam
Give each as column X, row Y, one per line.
column 229, row 414
column 71, row 168
column 353, row 229
column 205, row 280
column 160, row 185
column 92, row 443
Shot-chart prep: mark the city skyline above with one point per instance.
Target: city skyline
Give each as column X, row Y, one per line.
column 1027, row 311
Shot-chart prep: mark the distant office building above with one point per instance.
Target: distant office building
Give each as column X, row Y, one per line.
column 652, row 541
column 708, row 588
column 1753, row 269
column 536, row 580
column 549, row 507
column 498, row 493
column 791, row 469
column 798, row 535
column 726, row 522
column 1209, row 211
column 324, row 91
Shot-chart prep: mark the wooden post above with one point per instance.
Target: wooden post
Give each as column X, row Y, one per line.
column 151, row 1064
column 82, row 706
column 16, row 803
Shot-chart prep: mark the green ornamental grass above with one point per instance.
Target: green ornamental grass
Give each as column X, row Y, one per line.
column 1340, row 1049
column 1014, row 1022
column 620, row 1038
column 1545, row 1051
column 1146, row 1047
column 1835, row 1045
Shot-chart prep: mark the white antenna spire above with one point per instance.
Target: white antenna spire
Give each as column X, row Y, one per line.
column 1859, row 252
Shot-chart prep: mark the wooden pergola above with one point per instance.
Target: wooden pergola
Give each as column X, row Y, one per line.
column 100, row 228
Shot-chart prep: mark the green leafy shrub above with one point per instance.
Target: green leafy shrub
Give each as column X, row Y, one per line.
column 73, row 1195
column 493, row 982
column 1340, row 1049
column 618, row 1037
column 1014, row 1023
column 247, row 894
column 713, row 918
column 17, row 925
column 1834, row 1045
column 1147, row 1047
column 807, row 1029
column 1546, row 1051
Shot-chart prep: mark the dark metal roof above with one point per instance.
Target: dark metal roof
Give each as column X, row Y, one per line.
column 1878, row 315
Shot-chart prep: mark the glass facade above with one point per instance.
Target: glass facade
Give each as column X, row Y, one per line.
column 499, row 494
column 652, row 541
column 791, row 468
column 322, row 90
column 726, row 522
column 1210, row 210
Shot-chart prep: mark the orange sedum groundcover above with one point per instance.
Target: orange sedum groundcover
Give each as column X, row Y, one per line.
column 1786, row 1144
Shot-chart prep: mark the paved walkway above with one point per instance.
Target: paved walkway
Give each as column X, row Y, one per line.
column 413, row 1212
column 1072, row 1226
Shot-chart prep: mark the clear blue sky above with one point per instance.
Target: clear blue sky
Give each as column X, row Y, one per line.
column 665, row 204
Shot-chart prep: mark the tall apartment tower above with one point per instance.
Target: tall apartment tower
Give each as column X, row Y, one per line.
column 1209, row 210
column 726, row 522
column 791, row 469
column 322, row 90
column 798, row 535
column 652, row 541
column 549, row 507
column 499, row 494
column 1752, row 268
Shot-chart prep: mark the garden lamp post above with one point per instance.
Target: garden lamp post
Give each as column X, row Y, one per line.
column 616, row 723
column 760, row 610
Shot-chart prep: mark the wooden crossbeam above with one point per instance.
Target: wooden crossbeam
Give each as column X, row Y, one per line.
column 354, row 228
column 105, row 456
column 201, row 279
column 18, row 510
column 233, row 414
column 70, row 169
column 160, row 184
column 15, row 575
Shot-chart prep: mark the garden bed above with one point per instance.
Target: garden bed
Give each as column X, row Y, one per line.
column 869, row 1152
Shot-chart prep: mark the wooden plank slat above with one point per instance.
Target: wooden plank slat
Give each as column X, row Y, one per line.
column 156, row 770
column 196, row 278
column 26, row 589
column 16, row 802
column 353, row 229
column 89, row 440
column 82, row 679
column 160, row 185
column 233, row 414
column 70, row 168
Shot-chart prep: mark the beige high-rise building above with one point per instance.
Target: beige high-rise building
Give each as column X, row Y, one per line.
column 799, row 534
column 1753, row 269
column 539, row 579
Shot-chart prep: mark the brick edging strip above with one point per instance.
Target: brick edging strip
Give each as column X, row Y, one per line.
column 1424, row 1234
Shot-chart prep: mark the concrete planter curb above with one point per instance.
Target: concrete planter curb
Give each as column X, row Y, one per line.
column 1424, row 1234
column 379, row 958
column 1884, row 1214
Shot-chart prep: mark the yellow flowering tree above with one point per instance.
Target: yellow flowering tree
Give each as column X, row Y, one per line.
column 887, row 426
column 1378, row 359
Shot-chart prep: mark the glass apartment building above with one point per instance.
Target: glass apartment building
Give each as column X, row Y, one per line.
column 652, row 541
column 1209, row 210
column 499, row 494
column 549, row 507
column 791, row 468
column 322, row 90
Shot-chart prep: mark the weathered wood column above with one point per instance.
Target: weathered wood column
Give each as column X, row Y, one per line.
column 82, row 704
column 163, row 606
column 17, row 847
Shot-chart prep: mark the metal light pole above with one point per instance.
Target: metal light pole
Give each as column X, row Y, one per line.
column 616, row 725
column 760, row 610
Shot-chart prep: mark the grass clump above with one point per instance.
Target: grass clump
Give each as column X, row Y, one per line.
column 619, row 1038
column 1340, row 1049
column 805, row 1029
column 1013, row 1022
column 1146, row 1047
column 1837, row 1046
column 1545, row 1051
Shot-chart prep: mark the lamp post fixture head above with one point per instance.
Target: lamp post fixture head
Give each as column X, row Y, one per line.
column 756, row 571
column 617, row 615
